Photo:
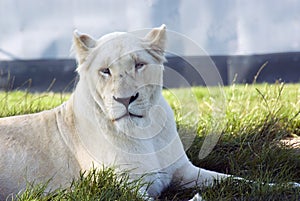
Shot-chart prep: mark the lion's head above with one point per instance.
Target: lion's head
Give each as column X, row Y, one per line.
column 123, row 73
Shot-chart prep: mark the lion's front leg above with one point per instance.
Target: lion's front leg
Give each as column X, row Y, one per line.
column 190, row 176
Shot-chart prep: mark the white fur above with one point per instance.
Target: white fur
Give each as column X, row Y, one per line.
column 86, row 131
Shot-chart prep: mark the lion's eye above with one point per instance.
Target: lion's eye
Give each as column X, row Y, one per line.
column 105, row 72
column 139, row 65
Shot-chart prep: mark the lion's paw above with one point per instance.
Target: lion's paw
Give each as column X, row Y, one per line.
column 197, row 197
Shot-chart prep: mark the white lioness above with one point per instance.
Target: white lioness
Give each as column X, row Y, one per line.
column 116, row 116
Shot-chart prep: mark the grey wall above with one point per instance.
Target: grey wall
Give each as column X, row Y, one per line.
column 60, row 75
column 38, row 75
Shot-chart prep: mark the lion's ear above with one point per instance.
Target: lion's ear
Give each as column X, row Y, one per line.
column 82, row 45
column 157, row 38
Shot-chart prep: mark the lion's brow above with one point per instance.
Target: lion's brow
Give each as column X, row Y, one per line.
column 157, row 56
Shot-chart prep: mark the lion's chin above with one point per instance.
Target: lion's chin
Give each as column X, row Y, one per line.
column 131, row 123
column 127, row 115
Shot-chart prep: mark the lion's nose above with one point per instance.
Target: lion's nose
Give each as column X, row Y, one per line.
column 126, row 101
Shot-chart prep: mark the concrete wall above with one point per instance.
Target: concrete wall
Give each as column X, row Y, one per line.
column 60, row 75
column 38, row 75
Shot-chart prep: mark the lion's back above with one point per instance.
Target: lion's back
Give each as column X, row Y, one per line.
column 24, row 129
column 32, row 149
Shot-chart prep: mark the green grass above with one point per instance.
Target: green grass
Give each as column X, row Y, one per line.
column 249, row 122
column 20, row 102
column 97, row 184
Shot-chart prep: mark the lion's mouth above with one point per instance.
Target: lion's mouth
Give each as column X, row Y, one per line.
column 128, row 114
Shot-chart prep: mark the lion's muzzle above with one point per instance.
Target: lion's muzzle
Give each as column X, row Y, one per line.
column 126, row 102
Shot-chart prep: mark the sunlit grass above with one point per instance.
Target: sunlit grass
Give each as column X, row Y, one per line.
column 97, row 184
column 20, row 102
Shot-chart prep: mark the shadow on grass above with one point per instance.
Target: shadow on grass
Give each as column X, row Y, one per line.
column 255, row 153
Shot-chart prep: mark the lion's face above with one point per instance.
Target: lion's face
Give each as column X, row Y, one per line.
column 124, row 74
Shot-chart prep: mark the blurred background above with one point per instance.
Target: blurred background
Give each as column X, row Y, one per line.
column 239, row 36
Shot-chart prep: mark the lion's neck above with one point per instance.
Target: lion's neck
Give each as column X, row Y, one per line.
column 80, row 131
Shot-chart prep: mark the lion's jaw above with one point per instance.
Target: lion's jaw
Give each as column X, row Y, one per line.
column 124, row 78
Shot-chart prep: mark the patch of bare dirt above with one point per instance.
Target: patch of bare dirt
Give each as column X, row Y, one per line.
column 292, row 142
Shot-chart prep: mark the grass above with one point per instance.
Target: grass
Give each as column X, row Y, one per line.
column 247, row 123
column 20, row 102
column 97, row 184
